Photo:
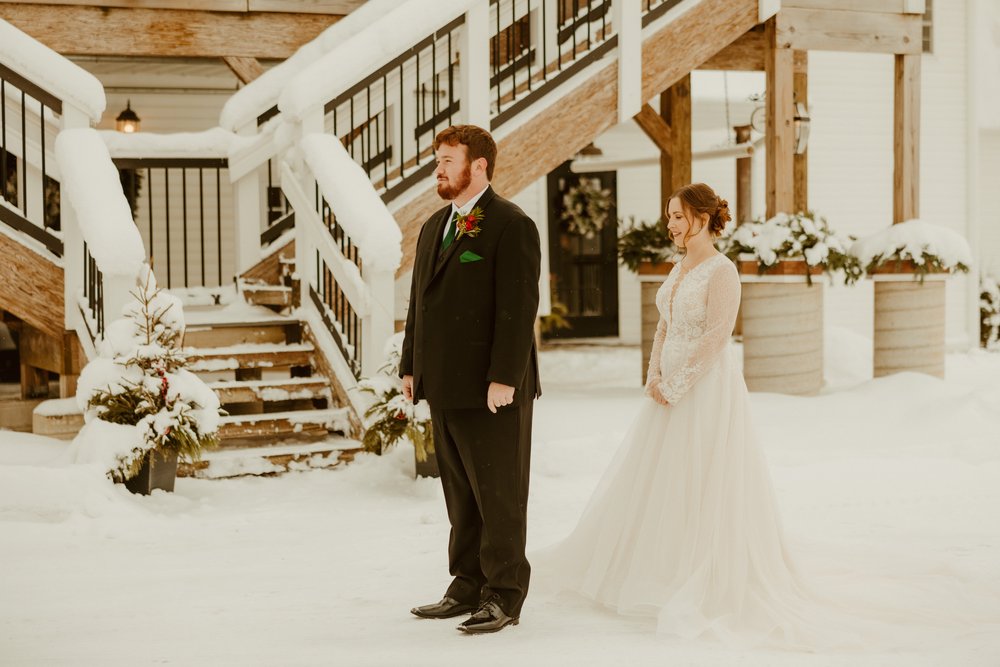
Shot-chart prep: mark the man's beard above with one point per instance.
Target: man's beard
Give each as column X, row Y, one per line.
column 448, row 192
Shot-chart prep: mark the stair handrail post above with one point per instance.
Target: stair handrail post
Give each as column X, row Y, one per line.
column 73, row 260
column 312, row 122
column 474, row 72
column 378, row 326
column 627, row 19
column 250, row 208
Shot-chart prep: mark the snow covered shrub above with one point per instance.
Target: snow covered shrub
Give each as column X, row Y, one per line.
column 643, row 241
column 799, row 236
column 139, row 383
column 928, row 248
column 989, row 312
column 391, row 417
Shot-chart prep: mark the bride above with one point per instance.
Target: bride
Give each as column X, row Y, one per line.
column 683, row 526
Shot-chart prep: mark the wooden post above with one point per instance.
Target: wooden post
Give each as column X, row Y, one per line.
column 473, row 45
column 675, row 167
column 744, row 178
column 906, row 179
column 800, row 89
column 778, row 65
column 628, row 19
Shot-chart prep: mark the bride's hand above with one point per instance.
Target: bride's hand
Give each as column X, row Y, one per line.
column 653, row 391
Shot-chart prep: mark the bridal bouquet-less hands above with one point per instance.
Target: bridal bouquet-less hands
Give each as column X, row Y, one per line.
column 798, row 236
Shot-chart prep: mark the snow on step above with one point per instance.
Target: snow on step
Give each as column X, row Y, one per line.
column 306, row 422
column 290, row 389
column 263, row 355
column 272, row 460
column 216, row 334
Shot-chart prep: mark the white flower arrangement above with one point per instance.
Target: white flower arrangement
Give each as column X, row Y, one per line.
column 929, row 248
column 798, row 236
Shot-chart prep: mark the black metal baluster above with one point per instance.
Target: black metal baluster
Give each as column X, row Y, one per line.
column 419, row 110
column 511, row 51
column 451, row 80
column 3, row 137
column 385, row 132
column 166, row 198
column 402, row 126
column 149, row 212
column 201, row 217
column 218, row 218
column 368, row 130
column 184, row 220
column 496, row 61
column 350, row 136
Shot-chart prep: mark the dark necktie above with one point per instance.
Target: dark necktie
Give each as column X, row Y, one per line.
column 449, row 238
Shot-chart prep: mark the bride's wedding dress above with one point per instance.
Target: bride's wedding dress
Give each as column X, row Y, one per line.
column 684, row 525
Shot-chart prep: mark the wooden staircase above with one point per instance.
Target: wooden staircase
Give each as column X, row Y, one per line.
column 282, row 413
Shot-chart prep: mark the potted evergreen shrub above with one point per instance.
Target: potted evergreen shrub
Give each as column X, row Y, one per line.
column 142, row 408
column 989, row 312
column 391, row 418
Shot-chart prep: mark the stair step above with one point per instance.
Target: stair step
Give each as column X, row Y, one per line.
column 268, row 295
column 226, row 334
column 253, row 391
column 271, row 460
column 300, row 422
column 265, row 355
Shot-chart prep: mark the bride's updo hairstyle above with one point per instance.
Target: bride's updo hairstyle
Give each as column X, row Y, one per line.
column 698, row 199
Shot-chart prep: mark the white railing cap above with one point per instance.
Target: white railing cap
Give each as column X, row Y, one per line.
column 213, row 143
column 52, row 72
column 95, row 192
column 358, row 208
column 363, row 53
column 262, row 93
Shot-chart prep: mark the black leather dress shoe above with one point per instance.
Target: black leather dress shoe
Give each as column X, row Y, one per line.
column 488, row 618
column 446, row 608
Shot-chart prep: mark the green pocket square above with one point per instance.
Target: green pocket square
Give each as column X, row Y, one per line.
column 469, row 256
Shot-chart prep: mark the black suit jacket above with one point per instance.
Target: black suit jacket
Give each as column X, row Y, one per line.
column 471, row 322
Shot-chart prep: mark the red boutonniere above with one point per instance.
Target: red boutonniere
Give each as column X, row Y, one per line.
column 468, row 224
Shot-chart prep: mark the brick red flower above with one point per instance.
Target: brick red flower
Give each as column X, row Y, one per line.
column 468, row 225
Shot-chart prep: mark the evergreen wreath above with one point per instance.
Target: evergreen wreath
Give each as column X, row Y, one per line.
column 586, row 208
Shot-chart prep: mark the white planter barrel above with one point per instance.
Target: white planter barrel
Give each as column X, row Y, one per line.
column 783, row 334
column 909, row 326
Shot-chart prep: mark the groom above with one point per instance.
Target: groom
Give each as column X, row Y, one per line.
column 469, row 349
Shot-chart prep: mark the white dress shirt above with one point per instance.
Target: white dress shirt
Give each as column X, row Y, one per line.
column 465, row 210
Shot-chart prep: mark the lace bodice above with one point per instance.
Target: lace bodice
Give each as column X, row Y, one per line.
column 697, row 314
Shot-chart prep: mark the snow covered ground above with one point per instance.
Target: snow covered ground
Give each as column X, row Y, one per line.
column 896, row 479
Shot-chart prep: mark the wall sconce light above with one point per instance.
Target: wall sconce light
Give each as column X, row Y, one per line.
column 127, row 121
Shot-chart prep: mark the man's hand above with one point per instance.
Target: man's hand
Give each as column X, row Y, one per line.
column 498, row 395
column 408, row 387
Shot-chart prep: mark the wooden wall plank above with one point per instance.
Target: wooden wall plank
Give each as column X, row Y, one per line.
column 831, row 30
column 746, row 54
column 41, row 350
column 876, row 6
column 906, row 128
column 96, row 31
column 31, row 287
column 780, row 138
column 341, row 7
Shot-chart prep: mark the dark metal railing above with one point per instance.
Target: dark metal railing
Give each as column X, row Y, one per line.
column 340, row 318
column 33, row 205
column 528, row 62
column 280, row 217
column 654, row 9
column 387, row 121
column 93, row 292
column 184, row 217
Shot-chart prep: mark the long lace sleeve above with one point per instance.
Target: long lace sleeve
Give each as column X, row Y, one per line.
column 653, row 373
column 723, row 302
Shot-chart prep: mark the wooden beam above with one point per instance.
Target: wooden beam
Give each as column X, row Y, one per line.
column 877, row 6
column 95, row 31
column 780, row 138
column 31, row 287
column 655, row 128
column 746, row 54
column 341, row 7
column 245, row 69
column 744, row 179
column 675, row 165
column 906, row 128
column 867, row 32
column 800, row 167
column 724, row 20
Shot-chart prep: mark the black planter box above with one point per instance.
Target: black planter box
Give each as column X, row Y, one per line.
column 158, row 471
